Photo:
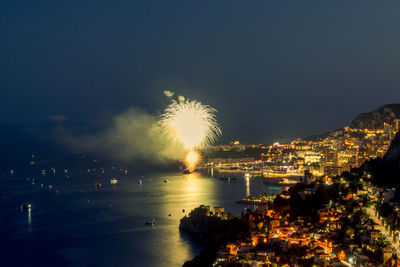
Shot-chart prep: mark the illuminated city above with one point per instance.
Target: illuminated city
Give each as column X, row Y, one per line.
column 328, row 156
column 335, row 213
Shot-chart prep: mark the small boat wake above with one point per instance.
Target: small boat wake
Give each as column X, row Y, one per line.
column 151, row 222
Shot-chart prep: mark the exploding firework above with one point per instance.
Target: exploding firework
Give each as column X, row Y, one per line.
column 191, row 124
column 191, row 160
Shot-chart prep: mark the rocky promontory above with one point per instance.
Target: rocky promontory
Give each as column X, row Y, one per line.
column 376, row 118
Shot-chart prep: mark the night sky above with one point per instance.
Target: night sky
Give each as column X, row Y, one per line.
column 273, row 69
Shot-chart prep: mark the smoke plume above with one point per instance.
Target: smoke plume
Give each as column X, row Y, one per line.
column 168, row 93
column 132, row 135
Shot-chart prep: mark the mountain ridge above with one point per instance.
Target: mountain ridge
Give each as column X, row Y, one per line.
column 368, row 120
column 375, row 118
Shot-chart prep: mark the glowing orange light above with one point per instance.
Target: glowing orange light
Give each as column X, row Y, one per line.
column 192, row 159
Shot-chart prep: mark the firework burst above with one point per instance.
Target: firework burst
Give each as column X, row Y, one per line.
column 191, row 124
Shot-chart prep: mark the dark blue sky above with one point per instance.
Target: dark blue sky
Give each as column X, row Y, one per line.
column 270, row 68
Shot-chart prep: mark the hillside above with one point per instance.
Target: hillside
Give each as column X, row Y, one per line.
column 385, row 171
column 376, row 118
column 369, row 120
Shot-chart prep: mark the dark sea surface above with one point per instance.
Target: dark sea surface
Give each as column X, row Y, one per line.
column 82, row 225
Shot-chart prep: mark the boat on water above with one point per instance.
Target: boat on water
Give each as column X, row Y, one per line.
column 113, row 181
column 151, row 222
column 26, row 206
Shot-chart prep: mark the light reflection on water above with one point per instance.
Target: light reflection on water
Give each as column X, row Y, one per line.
column 192, row 182
column 247, row 186
column 109, row 229
column 29, row 216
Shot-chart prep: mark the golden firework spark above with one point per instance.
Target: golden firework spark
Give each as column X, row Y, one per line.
column 192, row 158
column 191, row 124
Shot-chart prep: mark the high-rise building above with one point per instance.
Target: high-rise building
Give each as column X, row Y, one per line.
column 331, row 157
column 387, row 129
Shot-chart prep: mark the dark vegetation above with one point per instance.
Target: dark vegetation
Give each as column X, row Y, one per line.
column 308, row 205
column 385, row 172
column 212, row 232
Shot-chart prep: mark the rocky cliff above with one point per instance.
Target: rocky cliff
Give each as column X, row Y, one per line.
column 376, row 118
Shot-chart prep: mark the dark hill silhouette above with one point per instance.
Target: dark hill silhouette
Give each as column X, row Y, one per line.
column 376, row 118
column 370, row 120
column 386, row 171
column 393, row 152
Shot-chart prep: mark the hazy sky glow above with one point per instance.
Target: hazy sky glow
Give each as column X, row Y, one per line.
column 270, row 68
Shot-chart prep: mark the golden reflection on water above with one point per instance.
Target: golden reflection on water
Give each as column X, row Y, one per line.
column 247, row 186
column 180, row 196
column 192, row 182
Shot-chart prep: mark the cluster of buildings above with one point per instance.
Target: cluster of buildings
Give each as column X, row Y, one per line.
column 330, row 155
column 359, row 227
column 274, row 240
column 343, row 234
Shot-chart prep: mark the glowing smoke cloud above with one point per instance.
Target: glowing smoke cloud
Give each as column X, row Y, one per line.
column 192, row 124
column 168, row 93
column 184, row 128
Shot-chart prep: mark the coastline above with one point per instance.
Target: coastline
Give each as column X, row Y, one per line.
column 196, row 230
